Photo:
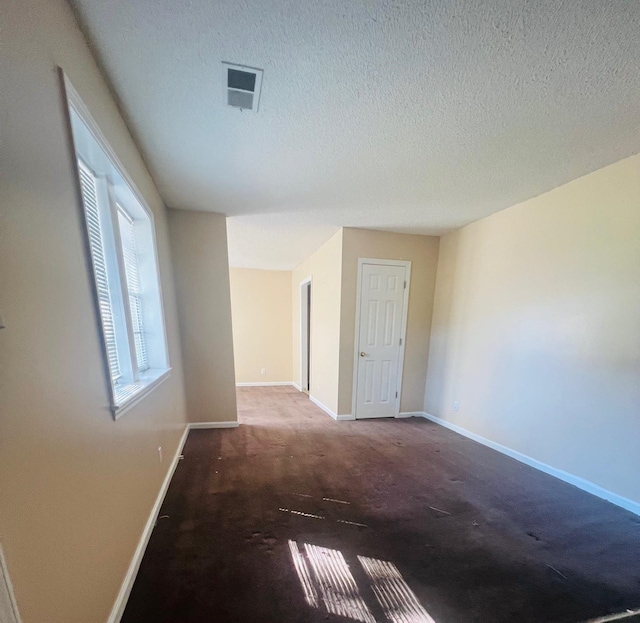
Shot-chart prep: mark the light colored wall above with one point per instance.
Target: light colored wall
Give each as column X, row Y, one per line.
column 536, row 328
column 76, row 486
column 262, row 334
column 324, row 267
column 422, row 251
column 201, row 266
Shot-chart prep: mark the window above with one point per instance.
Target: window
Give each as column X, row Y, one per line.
column 123, row 258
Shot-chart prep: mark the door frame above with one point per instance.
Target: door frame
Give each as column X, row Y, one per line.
column 403, row 330
column 303, row 284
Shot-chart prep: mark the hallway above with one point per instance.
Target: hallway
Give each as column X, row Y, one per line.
column 293, row 517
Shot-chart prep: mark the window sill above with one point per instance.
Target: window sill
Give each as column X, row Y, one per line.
column 130, row 395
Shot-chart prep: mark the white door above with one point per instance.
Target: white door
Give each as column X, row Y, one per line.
column 382, row 311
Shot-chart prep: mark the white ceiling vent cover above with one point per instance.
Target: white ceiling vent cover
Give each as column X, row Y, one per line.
column 242, row 86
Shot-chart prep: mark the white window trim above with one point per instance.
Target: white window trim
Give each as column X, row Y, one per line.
column 148, row 380
column 117, row 209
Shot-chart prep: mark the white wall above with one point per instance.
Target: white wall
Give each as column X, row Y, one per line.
column 262, row 329
column 201, row 266
column 325, row 269
column 333, row 269
column 76, row 486
column 536, row 328
column 422, row 251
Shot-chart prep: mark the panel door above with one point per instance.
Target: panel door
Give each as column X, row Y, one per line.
column 381, row 315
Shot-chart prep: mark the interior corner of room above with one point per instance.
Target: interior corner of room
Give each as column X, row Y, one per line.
column 177, row 261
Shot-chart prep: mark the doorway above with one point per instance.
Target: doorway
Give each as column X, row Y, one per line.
column 305, row 335
column 381, row 323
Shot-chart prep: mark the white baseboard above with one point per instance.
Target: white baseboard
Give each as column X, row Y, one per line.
column 125, row 590
column 296, row 386
column 335, row 416
column 410, row 414
column 344, row 417
column 134, row 565
column 576, row 481
column 266, row 384
column 231, row 424
column 326, row 409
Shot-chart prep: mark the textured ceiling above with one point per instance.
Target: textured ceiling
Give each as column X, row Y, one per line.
column 409, row 115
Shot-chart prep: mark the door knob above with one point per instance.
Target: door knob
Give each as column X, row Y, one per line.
column 363, row 354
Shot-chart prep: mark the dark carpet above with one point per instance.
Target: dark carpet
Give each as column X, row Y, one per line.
column 442, row 525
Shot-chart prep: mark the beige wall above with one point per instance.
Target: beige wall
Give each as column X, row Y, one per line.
column 536, row 328
column 262, row 335
column 324, row 267
column 422, row 251
column 76, row 487
column 201, row 266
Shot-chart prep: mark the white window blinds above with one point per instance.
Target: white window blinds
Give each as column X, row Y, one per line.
column 132, row 271
column 122, row 253
column 97, row 248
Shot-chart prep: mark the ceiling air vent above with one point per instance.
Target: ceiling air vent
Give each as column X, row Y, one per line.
column 242, row 86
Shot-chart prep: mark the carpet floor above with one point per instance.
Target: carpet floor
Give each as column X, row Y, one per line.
column 296, row 518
